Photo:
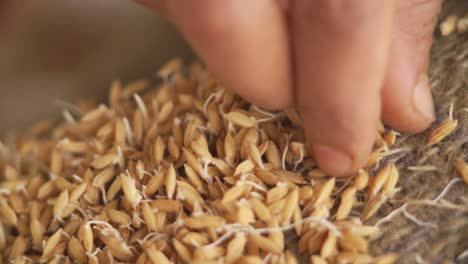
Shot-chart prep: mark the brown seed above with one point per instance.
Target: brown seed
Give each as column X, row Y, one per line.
column 105, row 160
column 8, row 215
column 325, row 191
column 235, row 247
column 170, row 183
column 264, row 243
column 373, row 206
column 361, row 180
column 348, row 197
column 20, row 245
column 51, row 243
column 119, row 217
column 377, row 183
column 329, row 247
column 389, row 258
column 240, row 119
column 60, row 203
column 462, row 168
column 441, row 132
column 156, row 256
column 277, row 193
column 182, row 250
column 244, row 167
column 155, row 183
column 229, row 149
column 291, row 200
column 37, row 232
column 170, row 206
column 129, row 189
column 390, row 184
column 352, row 242
column 170, row 67
column 76, row 250
column 203, row 221
column 2, row 238
column 234, row 193
column 449, row 25
column 103, row 177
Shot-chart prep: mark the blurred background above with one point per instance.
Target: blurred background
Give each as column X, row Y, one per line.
column 68, row 49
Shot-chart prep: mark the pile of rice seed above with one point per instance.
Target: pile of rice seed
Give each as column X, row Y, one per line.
column 185, row 172
column 180, row 170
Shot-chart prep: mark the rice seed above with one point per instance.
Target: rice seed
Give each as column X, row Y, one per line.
column 105, row 160
column 229, row 149
column 441, row 132
column 234, row 193
column 273, row 155
column 129, row 189
column 361, row 180
column 184, row 253
column 60, row 203
column 261, row 211
column 2, row 238
column 462, row 168
column 377, row 183
column 325, row 191
column 449, row 25
column 353, row 243
column 86, row 237
column 277, row 193
column 240, row 119
column 390, row 184
column 173, row 148
column 20, row 245
column 264, row 243
column 389, row 258
column 235, row 247
column 155, row 183
column 291, row 200
column 373, row 206
column 208, row 253
column 156, row 256
column 51, row 243
column 119, row 217
column 203, row 221
column 244, row 167
column 170, row 206
column 104, row 177
column 158, row 150
column 329, row 247
column 170, row 67
column 170, row 183
column 348, row 197
column 8, row 215
column 76, row 251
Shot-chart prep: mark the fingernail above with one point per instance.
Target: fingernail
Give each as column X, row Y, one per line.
column 333, row 161
column 422, row 98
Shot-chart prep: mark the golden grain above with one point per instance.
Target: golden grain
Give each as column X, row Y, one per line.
column 462, row 168
column 441, row 132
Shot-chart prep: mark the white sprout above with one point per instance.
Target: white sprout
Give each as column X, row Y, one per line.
column 463, row 255
column 207, row 102
column 141, row 105
column 451, row 111
column 68, row 117
column 129, row 131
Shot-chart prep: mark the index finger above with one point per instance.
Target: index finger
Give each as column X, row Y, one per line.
column 341, row 50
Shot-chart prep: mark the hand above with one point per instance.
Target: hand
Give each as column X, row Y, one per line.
column 344, row 64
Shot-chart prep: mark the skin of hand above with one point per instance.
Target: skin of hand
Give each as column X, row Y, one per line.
column 344, row 64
